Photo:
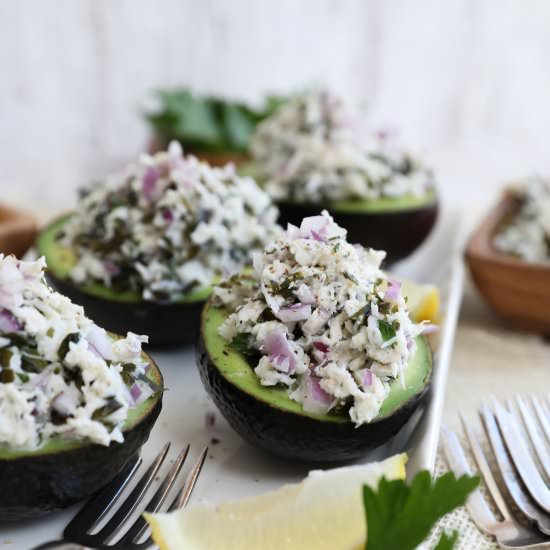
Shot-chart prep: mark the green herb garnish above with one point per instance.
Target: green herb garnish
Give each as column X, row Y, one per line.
column 23, row 377
column 207, row 123
column 386, row 329
column 400, row 516
column 241, row 343
column 65, row 344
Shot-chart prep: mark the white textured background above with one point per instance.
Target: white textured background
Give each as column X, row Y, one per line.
column 466, row 81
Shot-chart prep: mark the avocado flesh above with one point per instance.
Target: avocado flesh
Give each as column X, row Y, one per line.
column 62, row 472
column 166, row 323
column 62, row 259
column 268, row 418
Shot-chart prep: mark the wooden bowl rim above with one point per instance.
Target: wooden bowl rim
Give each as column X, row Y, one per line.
column 13, row 219
column 480, row 244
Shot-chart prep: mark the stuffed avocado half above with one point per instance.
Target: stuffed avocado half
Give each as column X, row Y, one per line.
column 313, row 154
column 165, row 322
column 76, row 403
column 313, row 355
column 268, row 418
column 143, row 248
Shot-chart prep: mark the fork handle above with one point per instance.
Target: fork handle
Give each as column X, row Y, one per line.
column 60, row 545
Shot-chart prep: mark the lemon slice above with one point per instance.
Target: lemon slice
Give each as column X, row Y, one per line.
column 422, row 300
column 325, row 511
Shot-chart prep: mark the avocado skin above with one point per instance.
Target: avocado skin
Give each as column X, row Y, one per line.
column 293, row 436
column 166, row 324
column 31, row 486
column 398, row 232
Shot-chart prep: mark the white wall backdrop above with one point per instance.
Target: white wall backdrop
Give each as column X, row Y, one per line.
column 466, row 81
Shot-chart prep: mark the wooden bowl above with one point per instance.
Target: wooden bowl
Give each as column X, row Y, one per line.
column 17, row 231
column 517, row 290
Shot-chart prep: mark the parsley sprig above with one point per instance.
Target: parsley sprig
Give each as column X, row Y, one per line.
column 401, row 516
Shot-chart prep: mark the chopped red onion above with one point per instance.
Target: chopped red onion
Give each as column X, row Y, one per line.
column 392, row 292
column 135, row 392
column 294, row 313
column 8, row 322
column 281, row 363
column 314, row 227
column 167, row 215
column 100, row 342
column 367, row 378
column 321, row 346
column 277, row 345
column 111, row 268
column 149, row 182
column 315, row 399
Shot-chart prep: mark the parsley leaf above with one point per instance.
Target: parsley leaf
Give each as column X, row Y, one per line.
column 400, row 517
column 207, row 123
column 447, row 542
column 241, row 343
column 386, row 329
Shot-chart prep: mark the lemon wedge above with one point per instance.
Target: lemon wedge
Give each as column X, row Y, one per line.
column 324, row 511
column 423, row 300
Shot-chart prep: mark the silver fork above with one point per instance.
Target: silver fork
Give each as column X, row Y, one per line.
column 505, row 426
column 80, row 534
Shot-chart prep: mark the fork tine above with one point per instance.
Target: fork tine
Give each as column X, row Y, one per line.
column 519, row 451
column 184, row 495
column 476, row 505
column 508, row 473
column 131, row 502
column 95, row 509
column 542, row 416
column 485, row 470
column 140, row 525
column 530, row 422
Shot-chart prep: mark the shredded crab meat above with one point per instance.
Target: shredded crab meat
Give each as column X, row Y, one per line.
column 60, row 374
column 168, row 225
column 527, row 234
column 312, row 150
column 327, row 323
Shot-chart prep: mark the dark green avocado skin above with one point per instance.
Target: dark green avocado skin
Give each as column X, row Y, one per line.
column 34, row 485
column 399, row 233
column 166, row 324
column 293, row 436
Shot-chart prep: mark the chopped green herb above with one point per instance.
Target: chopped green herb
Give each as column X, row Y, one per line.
column 350, row 277
column 31, row 363
column 109, row 408
column 65, row 344
column 386, row 329
column 400, row 517
column 23, row 377
column 241, row 343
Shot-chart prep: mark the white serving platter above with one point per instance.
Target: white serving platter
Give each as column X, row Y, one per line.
column 233, row 468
